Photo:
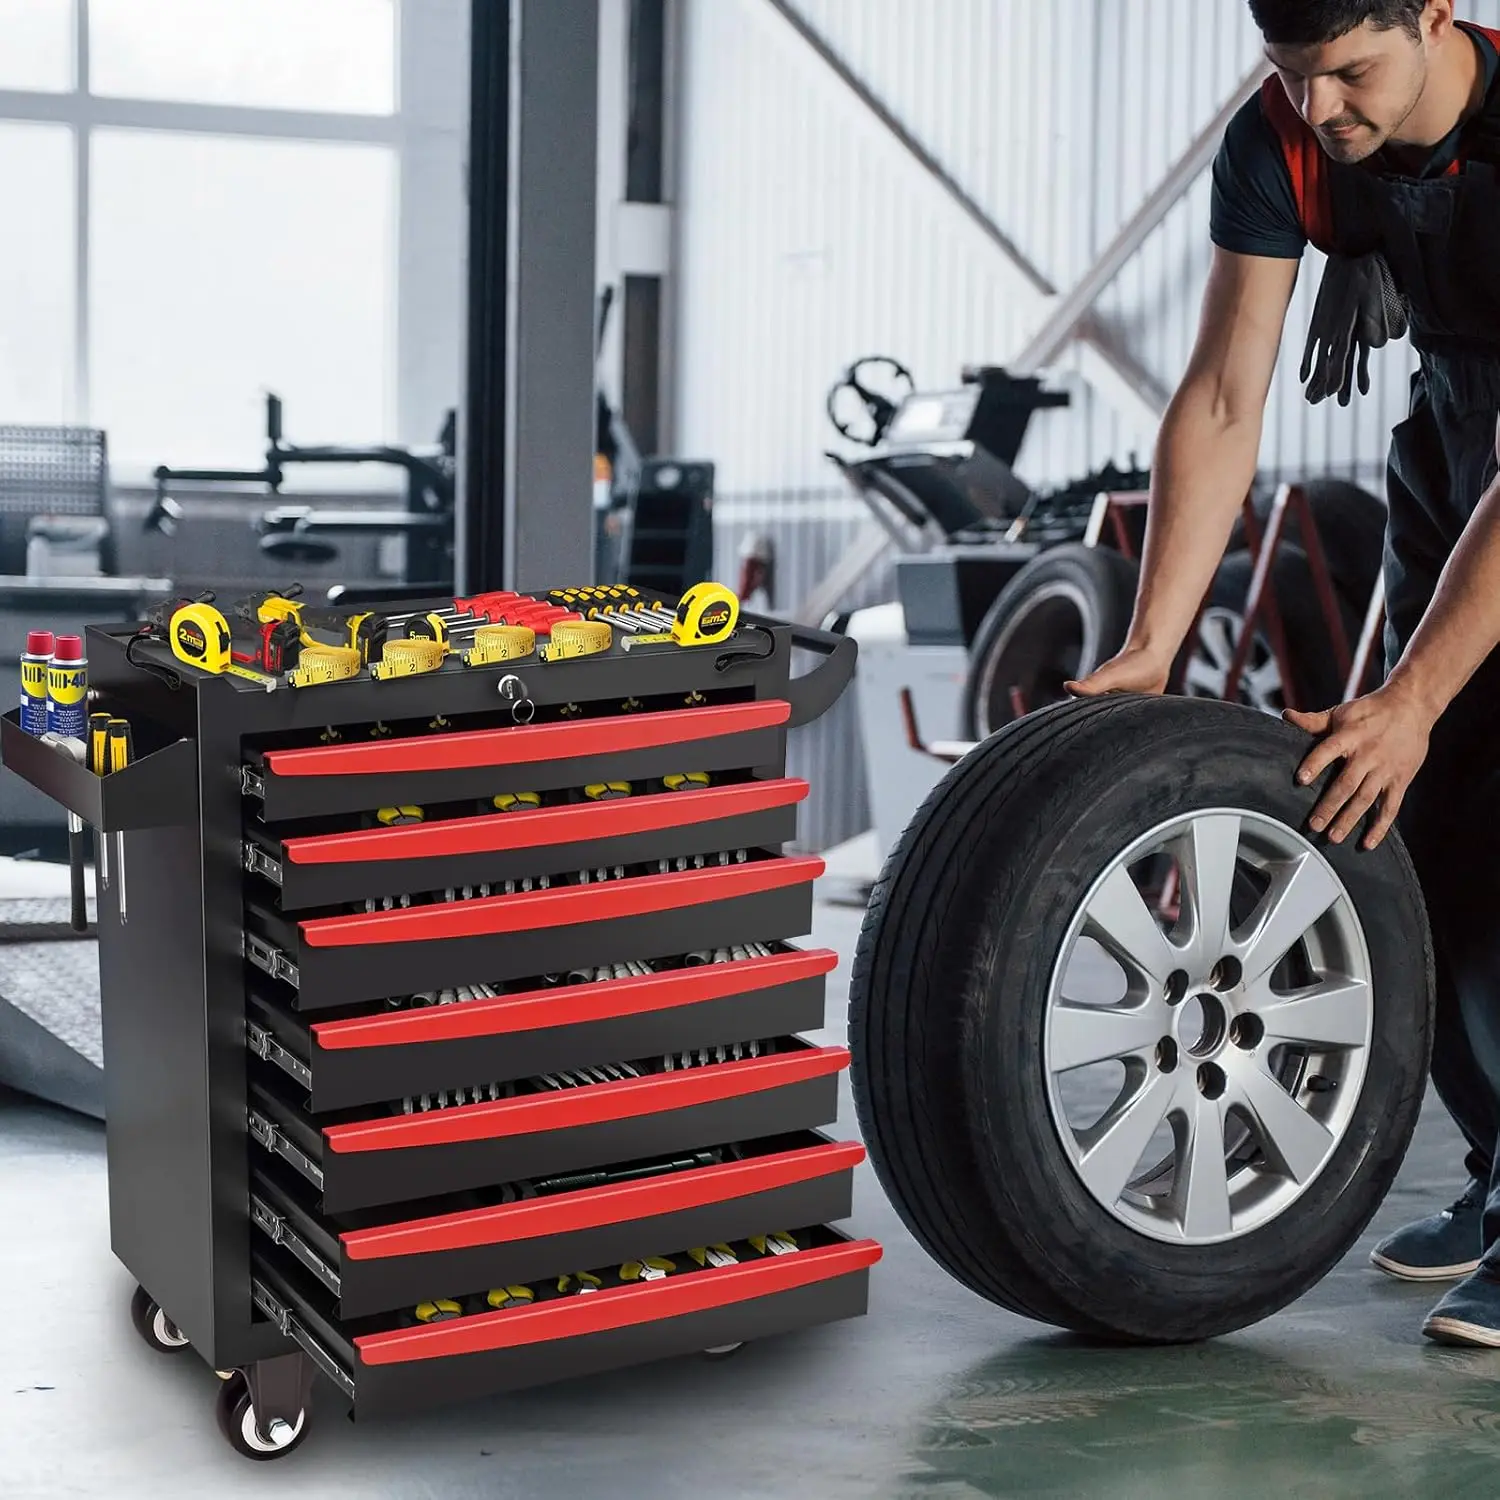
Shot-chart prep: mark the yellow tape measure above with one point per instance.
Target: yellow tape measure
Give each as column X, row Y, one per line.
column 493, row 643
column 572, row 638
column 319, row 664
column 706, row 616
column 409, row 658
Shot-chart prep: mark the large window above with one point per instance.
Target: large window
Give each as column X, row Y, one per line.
column 205, row 204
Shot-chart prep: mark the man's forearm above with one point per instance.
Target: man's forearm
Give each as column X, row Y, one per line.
column 1205, row 460
column 1461, row 626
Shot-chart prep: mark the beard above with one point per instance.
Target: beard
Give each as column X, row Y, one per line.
column 1351, row 141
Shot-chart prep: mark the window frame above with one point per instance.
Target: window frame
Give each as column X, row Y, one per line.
column 427, row 35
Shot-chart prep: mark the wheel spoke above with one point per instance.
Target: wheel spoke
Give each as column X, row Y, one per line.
column 1301, row 892
column 1084, row 1034
column 1263, row 683
column 1335, row 1013
column 1208, row 857
column 1119, row 918
column 1203, row 679
column 1112, row 1148
column 1218, row 640
column 1202, row 1188
column 1292, row 1139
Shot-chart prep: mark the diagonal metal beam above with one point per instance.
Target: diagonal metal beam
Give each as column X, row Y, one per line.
column 818, row 45
column 1071, row 313
column 1117, row 375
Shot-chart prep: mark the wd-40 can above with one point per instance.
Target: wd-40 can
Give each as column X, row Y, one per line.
column 34, row 663
column 68, row 689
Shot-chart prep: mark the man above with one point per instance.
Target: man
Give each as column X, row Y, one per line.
column 1378, row 139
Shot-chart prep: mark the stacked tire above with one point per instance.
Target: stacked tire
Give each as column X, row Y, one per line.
column 1058, row 618
column 1068, row 610
column 1351, row 529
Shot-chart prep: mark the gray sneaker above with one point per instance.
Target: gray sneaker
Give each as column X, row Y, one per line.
column 1443, row 1247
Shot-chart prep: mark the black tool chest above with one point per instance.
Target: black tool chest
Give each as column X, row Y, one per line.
column 453, row 1033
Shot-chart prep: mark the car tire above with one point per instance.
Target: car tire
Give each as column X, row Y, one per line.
column 953, row 987
column 1351, row 524
column 1063, row 614
column 1316, row 679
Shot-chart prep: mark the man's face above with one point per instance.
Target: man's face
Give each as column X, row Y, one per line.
column 1357, row 91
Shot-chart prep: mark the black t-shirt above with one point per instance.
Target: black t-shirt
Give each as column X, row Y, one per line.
column 1253, row 210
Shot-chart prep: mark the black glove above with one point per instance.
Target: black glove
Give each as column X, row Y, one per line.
column 1357, row 309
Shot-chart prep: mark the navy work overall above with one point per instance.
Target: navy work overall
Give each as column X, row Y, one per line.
column 1440, row 236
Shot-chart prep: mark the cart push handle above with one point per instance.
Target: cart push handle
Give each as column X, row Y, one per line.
column 814, row 693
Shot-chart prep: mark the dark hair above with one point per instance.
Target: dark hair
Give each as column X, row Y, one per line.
column 1310, row 23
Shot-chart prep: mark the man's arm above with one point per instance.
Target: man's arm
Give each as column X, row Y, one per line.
column 1382, row 738
column 1461, row 625
column 1204, row 462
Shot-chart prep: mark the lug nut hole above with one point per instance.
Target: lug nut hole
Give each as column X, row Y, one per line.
column 1247, row 1032
column 1166, row 1055
column 1210, row 1080
column 1227, row 973
column 1177, row 986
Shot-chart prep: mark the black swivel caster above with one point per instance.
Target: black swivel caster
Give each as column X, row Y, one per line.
column 237, row 1421
column 153, row 1325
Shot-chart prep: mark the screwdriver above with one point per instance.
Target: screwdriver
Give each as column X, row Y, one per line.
column 99, row 765
column 120, row 755
column 78, row 753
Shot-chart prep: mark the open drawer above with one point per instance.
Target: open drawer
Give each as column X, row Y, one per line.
column 469, row 1243
column 159, row 789
column 342, row 960
column 382, row 1365
column 545, row 1125
column 325, row 869
column 456, row 766
column 368, row 1059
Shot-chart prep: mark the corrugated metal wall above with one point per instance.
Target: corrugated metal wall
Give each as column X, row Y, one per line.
column 808, row 236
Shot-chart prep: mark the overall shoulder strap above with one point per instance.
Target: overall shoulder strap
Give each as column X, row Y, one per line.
column 1481, row 142
column 1306, row 163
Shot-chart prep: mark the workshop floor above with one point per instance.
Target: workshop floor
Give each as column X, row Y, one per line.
column 936, row 1393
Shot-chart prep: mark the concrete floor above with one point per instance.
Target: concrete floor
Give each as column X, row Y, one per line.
column 935, row 1394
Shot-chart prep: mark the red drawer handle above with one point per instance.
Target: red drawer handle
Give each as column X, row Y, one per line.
column 591, row 1104
column 527, row 911
column 617, row 1307
column 591, row 1208
column 526, row 744
column 495, row 832
column 537, row 1010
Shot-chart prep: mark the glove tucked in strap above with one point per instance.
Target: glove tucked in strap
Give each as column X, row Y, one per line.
column 1358, row 308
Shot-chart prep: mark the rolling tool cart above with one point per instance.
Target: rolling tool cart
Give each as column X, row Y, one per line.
column 452, row 1019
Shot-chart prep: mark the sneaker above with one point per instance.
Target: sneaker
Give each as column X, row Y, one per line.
column 1442, row 1247
column 1469, row 1314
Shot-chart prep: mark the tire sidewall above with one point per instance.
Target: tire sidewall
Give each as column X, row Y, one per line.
column 1105, row 579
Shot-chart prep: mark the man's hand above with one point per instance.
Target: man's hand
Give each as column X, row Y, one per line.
column 1382, row 740
column 1133, row 670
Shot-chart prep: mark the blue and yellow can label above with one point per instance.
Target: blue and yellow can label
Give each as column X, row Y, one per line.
column 67, row 685
column 34, row 696
column 67, row 700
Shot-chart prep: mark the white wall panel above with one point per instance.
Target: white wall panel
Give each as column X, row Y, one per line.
column 808, row 236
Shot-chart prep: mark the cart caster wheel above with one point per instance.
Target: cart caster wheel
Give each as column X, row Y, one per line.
column 236, row 1418
column 153, row 1325
column 723, row 1351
